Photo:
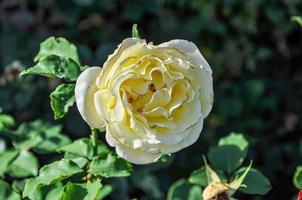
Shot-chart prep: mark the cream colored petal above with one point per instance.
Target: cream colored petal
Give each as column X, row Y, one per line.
column 136, row 156
column 160, row 98
column 111, row 63
column 156, row 112
column 84, row 93
column 102, row 103
column 206, row 93
column 204, row 71
column 190, row 49
column 191, row 136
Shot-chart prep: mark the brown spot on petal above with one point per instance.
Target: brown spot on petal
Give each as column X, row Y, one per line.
column 152, row 87
column 130, row 99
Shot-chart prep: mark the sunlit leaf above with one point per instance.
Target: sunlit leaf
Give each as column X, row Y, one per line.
column 79, row 160
column 55, row 67
column 298, row 177
column 297, row 19
column 7, row 193
column 59, row 47
column 104, row 192
column 61, row 99
column 50, row 192
column 25, row 164
column 235, row 139
column 181, row 190
column 109, row 165
column 6, row 158
column 199, row 177
column 85, row 191
column 50, row 174
column 84, row 147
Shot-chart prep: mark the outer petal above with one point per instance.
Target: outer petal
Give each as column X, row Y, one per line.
column 192, row 136
column 84, row 92
column 136, row 156
column 205, row 71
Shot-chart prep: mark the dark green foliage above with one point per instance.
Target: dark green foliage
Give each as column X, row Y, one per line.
column 253, row 47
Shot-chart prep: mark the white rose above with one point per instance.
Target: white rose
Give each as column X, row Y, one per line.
column 151, row 98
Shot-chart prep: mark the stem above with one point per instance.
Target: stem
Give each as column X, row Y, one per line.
column 94, row 136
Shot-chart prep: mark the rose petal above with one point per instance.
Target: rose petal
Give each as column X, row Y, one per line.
column 84, row 92
column 205, row 71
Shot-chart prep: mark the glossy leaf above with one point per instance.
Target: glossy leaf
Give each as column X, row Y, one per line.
column 40, row 136
column 297, row 19
column 104, row 192
column 59, row 47
column 235, row 139
column 7, row 193
column 51, row 192
column 61, row 99
column 256, row 183
column 109, row 165
column 226, row 157
column 2, row 145
column 83, row 147
column 55, row 67
column 199, row 177
column 25, row 164
column 80, row 161
column 50, row 174
column 181, row 189
column 298, row 177
column 6, row 158
column 88, row 191
column 7, row 120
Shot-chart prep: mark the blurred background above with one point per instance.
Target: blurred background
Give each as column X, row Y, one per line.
column 253, row 47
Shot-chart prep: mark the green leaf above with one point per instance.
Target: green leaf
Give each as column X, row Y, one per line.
column 199, row 177
column 135, row 33
column 59, row 47
column 235, row 139
column 181, row 189
column 88, row 191
column 298, row 177
column 237, row 182
column 226, row 157
column 18, row 185
column 104, row 192
column 51, row 192
column 83, row 147
column 297, row 19
column 26, row 164
column 61, row 99
column 195, row 193
column 55, row 67
column 7, row 193
column 80, row 161
column 51, row 142
column 7, row 120
column 256, row 183
column 109, row 165
column 6, row 158
column 41, row 136
column 2, row 145
column 50, row 174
